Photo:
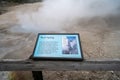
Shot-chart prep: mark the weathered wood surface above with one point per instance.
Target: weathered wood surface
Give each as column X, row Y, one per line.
column 29, row 65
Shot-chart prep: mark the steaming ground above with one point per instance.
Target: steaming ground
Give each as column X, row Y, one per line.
column 100, row 32
column 99, row 28
column 56, row 15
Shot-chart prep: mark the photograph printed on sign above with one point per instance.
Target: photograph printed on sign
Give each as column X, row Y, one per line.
column 69, row 45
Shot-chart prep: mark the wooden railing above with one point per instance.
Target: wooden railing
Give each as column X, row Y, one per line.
column 30, row 65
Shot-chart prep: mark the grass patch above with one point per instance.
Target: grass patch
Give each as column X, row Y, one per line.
column 20, row 75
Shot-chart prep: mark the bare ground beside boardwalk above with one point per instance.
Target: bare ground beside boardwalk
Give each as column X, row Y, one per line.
column 99, row 36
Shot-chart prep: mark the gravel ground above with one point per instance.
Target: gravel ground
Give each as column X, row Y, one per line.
column 4, row 75
column 70, row 75
column 103, row 40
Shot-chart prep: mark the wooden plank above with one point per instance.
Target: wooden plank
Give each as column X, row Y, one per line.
column 29, row 65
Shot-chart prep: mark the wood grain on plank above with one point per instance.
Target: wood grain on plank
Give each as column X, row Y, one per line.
column 29, row 65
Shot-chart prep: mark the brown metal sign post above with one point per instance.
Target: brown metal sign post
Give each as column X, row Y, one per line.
column 37, row 75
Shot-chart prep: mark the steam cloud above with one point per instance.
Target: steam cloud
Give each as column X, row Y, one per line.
column 55, row 15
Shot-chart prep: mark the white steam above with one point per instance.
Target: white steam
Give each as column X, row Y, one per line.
column 55, row 15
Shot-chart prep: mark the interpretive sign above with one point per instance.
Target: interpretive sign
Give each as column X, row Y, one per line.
column 58, row 46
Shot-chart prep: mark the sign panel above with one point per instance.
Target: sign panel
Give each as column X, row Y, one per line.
column 58, row 46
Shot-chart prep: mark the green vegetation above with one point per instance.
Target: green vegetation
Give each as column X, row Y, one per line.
column 16, row 1
column 19, row 1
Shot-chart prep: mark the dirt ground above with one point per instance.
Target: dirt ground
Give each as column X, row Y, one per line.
column 97, row 42
column 70, row 75
column 100, row 36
